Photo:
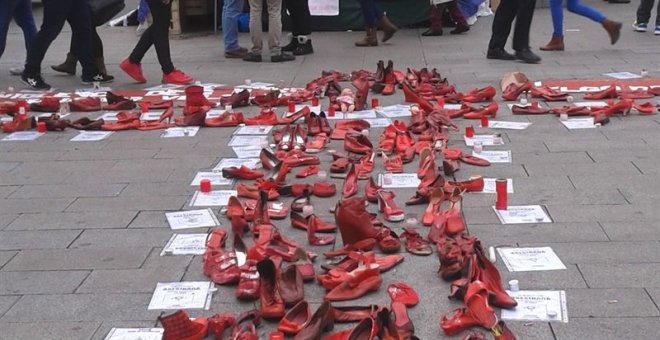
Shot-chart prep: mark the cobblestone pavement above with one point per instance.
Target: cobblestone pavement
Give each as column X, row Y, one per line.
column 82, row 224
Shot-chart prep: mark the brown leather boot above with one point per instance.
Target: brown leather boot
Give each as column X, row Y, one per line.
column 370, row 39
column 613, row 29
column 556, row 44
column 387, row 27
column 68, row 66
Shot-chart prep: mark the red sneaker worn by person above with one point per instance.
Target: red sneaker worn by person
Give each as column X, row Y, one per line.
column 177, row 77
column 133, row 70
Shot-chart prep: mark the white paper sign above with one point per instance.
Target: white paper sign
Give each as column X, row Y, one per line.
column 489, row 186
column 406, row 180
column 236, row 162
column 484, row 139
column 530, row 259
column 256, row 85
column 354, row 115
column 22, row 136
column 452, row 106
column 324, row 7
column 185, row 244
column 500, row 124
column 518, row 214
column 215, row 198
column 379, row 122
column 247, row 140
column 494, row 156
column 91, row 136
column 579, row 123
column 177, row 132
column 182, row 295
column 510, row 105
column 202, row 218
column 250, row 151
column 216, row 178
column 538, row 305
column 93, row 90
column 623, row 75
column 253, row 130
column 214, row 113
column 135, row 334
column 591, row 104
column 393, row 111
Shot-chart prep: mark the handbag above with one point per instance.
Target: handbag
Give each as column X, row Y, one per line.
column 104, row 10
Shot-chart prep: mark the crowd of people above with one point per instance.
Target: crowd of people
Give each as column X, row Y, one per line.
column 87, row 48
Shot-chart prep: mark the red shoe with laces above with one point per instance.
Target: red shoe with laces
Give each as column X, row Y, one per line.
column 133, row 70
column 178, row 326
column 177, row 77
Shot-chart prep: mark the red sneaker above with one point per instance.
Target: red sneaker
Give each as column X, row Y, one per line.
column 133, row 70
column 177, row 77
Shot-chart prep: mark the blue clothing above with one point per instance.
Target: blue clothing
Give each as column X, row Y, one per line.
column 230, row 12
column 21, row 11
column 371, row 11
column 573, row 6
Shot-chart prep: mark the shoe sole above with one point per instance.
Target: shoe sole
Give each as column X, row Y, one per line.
column 100, row 82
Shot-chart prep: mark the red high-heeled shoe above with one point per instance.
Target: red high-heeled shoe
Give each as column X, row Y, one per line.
column 484, row 94
column 393, row 163
column 388, row 207
column 389, row 79
column 609, row 92
column 350, row 186
column 513, row 91
column 426, row 163
column 433, row 209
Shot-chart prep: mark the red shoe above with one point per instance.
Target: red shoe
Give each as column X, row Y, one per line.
column 360, row 281
column 268, row 159
column 178, row 326
column 403, row 293
column 433, row 209
column 290, row 285
column 177, row 77
column 219, row 322
column 609, row 92
column 366, row 329
column 221, row 268
column 236, row 99
column 300, row 160
column 484, row 111
column 308, row 171
column 353, row 221
column 265, row 117
column 19, row 123
column 513, row 91
column 315, row 224
column 475, row 183
column 357, row 143
column 295, row 319
column 393, row 163
column 133, row 70
column 305, row 265
column 412, row 97
column 241, row 173
column 361, row 92
column 46, row 104
column 403, row 326
column 415, row 244
column 529, row 110
column 476, row 301
column 371, row 191
column 272, row 305
column 322, row 321
column 317, row 143
column 426, row 162
column 388, row 207
column 246, row 325
column 352, row 124
column 350, row 186
column 485, row 94
column 365, row 166
column 647, row 108
column 325, row 124
column 226, row 119
column 458, row 322
column 85, row 104
column 324, row 189
column 249, row 283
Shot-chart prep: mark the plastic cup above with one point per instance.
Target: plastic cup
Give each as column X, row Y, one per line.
column 513, row 285
column 375, row 103
column 478, row 146
column 205, row 185
column 41, row 127
column 469, row 131
column 500, row 188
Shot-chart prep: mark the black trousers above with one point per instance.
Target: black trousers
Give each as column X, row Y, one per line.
column 157, row 35
column 520, row 10
column 644, row 12
column 97, row 44
column 301, row 20
column 56, row 12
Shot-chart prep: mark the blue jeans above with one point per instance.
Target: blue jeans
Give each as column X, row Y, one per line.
column 371, row 12
column 21, row 11
column 230, row 11
column 573, row 6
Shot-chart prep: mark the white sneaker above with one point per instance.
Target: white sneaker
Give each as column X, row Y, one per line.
column 640, row 27
column 657, row 30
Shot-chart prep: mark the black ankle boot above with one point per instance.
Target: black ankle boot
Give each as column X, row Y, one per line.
column 292, row 45
column 303, row 49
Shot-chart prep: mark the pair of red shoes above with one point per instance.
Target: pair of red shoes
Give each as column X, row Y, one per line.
column 484, row 94
column 134, row 70
column 293, row 137
column 318, row 123
column 395, row 139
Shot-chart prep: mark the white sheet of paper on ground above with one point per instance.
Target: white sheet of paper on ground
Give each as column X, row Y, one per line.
column 489, row 186
column 185, row 244
column 501, row 124
column 92, row 90
column 256, row 85
column 242, row 140
column 151, row 115
column 406, row 180
column 510, row 105
column 591, row 104
column 530, row 259
column 215, row 178
column 354, row 115
column 579, row 123
column 485, row 140
column 182, row 295
column 110, row 116
column 452, row 106
column 393, row 111
column 214, row 113
column 164, row 87
column 6, row 119
column 209, row 87
column 91, row 136
column 494, row 156
column 538, row 305
column 379, row 122
column 237, row 162
column 623, row 75
column 316, row 109
column 248, row 151
column 135, row 334
column 253, row 130
column 187, row 219
column 215, row 198
column 22, row 136
column 177, row 132
column 518, row 214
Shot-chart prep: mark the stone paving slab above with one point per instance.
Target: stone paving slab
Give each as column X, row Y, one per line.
column 72, row 259
column 111, row 238
column 611, row 213
column 72, row 220
column 607, row 169
column 127, row 203
column 105, row 327
column 81, row 307
column 641, row 182
column 619, row 303
column 8, row 166
column 34, row 205
column 67, row 190
column 126, row 281
column 6, row 302
column 6, row 219
column 40, row 282
column 129, row 153
column 511, row 234
column 607, row 252
column 86, row 178
column 7, row 190
column 606, row 328
column 48, row 330
column 5, row 256
column 152, row 219
column 528, row 196
column 19, row 178
column 32, row 156
column 631, row 231
column 159, row 189
column 21, row 240
column 628, row 275
column 545, row 280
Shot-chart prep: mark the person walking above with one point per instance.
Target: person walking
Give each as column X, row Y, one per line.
column 438, row 8
column 374, row 18
column 21, row 11
column 69, row 64
column 556, row 43
column 301, row 27
column 231, row 9
column 157, row 35
column 56, row 12
column 644, row 16
column 508, row 10
column 274, row 8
